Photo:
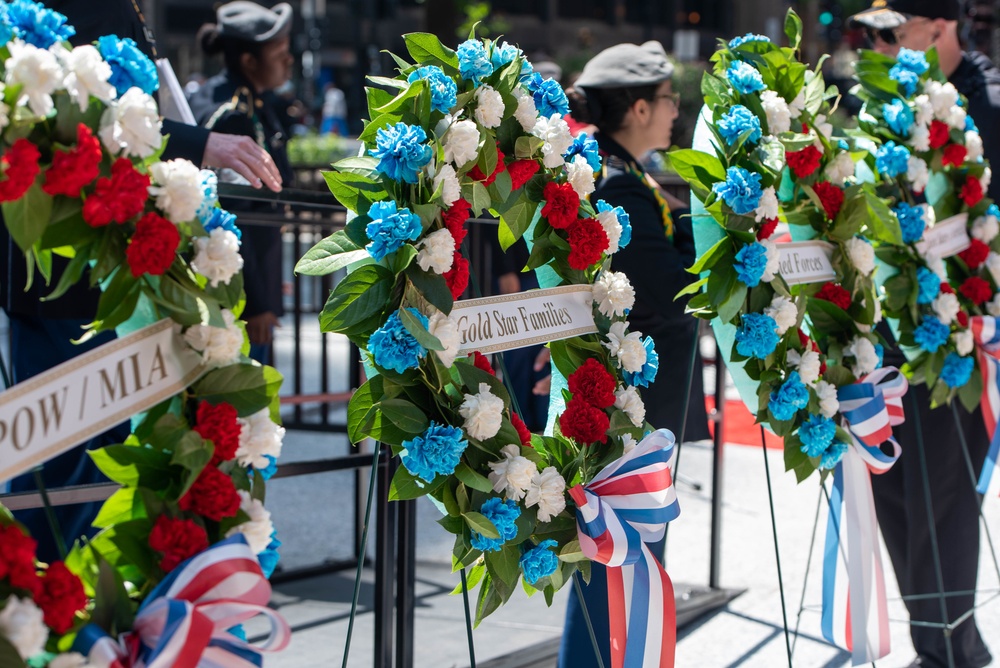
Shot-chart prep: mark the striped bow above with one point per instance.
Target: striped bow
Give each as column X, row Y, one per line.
column 855, row 613
column 986, row 334
column 627, row 505
column 184, row 622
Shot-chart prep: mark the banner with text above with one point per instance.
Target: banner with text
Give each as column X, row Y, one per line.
column 806, row 262
column 73, row 402
column 522, row 319
column 948, row 237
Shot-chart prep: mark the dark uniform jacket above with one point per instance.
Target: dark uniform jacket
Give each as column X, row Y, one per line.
column 978, row 80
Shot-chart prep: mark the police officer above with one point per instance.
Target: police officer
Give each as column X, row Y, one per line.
column 254, row 43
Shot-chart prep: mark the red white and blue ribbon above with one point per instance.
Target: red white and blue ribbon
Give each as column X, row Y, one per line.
column 184, row 621
column 627, row 505
column 855, row 612
column 986, row 333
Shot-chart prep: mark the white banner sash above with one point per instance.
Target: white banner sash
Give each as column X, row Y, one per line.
column 948, row 237
column 806, row 262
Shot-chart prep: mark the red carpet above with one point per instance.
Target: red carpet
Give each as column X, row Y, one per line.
column 739, row 427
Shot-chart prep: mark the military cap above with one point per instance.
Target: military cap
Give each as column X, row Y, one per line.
column 888, row 14
column 626, row 65
column 253, row 23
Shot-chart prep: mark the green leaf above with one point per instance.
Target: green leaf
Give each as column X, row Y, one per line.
column 411, row 91
column 796, row 460
column 406, row 486
column 360, row 404
column 9, row 656
column 515, row 221
column 432, row 287
column 709, row 257
column 827, row 317
column 472, row 478
column 329, row 255
column 419, row 332
column 361, row 294
column 505, row 564
column 355, row 191
column 403, row 414
column 363, row 165
column 192, row 452
column 426, row 49
column 132, row 466
column 71, row 276
column 793, row 29
column 27, row 217
column 478, row 523
column 117, row 508
column 480, row 199
column 247, row 387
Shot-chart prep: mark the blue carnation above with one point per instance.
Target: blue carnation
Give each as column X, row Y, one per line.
column 833, row 455
column 219, row 217
column 130, row 67
column 504, row 54
column 401, row 151
column 956, row 370
column 741, row 190
column 6, row 29
column 993, row 209
column 209, row 185
column 914, row 61
column 539, row 562
column 437, row 450
column 272, row 467
column 585, row 145
column 269, row 557
column 911, row 222
column 623, row 220
column 755, row 336
column 906, row 79
column 816, row 434
column 647, row 374
column 503, row 515
column 928, row 285
column 898, row 116
column 790, row 397
column 36, row 24
column 744, row 77
column 892, row 160
column 970, row 125
column 751, row 261
column 473, row 61
column 390, row 228
column 548, row 95
column 931, row 334
column 444, row 90
column 393, row 347
column 749, row 37
column 880, row 351
column 736, row 122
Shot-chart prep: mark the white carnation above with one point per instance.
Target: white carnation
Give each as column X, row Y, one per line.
column 612, row 228
column 217, row 256
column 861, row 254
column 555, row 133
column 259, row 529
column 936, row 264
column 779, row 117
column 436, row 251
column 973, row 146
column 784, row 312
column 627, row 348
column 177, row 189
column 865, row 357
column 808, row 364
column 946, row 307
column 920, row 138
column 628, row 400
column 628, row 443
column 840, row 168
column 461, row 143
column 38, row 71
column 916, row 173
column 260, row 437
column 447, row 180
column 985, row 228
column 773, row 266
column 513, row 474
column 219, row 346
column 993, row 265
column 489, row 106
column 993, row 306
column 828, row 402
column 69, row 660
column 4, row 109
column 798, row 105
column 132, row 124
column 548, row 492
column 964, row 342
column 923, row 110
column 445, row 328
column 956, row 117
column 942, row 98
column 21, row 623
column 613, row 293
column 767, row 207
column 822, row 127
column 580, row 175
column 526, row 113
column 483, row 413
column 86, row 75
column 986, row 179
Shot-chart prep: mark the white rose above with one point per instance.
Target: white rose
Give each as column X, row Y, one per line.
column 946, row 307
column 993, row 306
column 956, row 117
column 461, row 143
column 555, row 133
column 773, row 266
column 973, row 145
column 580, row 175
column 548, row 492
column 628, row 400
column 828, row 402
column 38, row 71
column 798, row 105
column 217, row 256
column 964, row 342
column 132, row 124
column 993, row 264
column 219, row 346
column 985, row 228
column 942, row 98
column 840, row 169
column 861, row 254
column 767, row 207
column 627, row 348
column 489, row 106
column 86, row 74
column 613, row 293
column 784, row 312
column 808, row 364
column 21, row 623
column 612, row 228
column 779, row 117
column 986, row 179
column 920, row 138
column 70, row 660
column 259, row 529
column 436, row 251
column 923, row 110
column 916, row 173
column 447, row 180
column 177, row 189
column 526, row 113
column 259, row 437
column 512, row 474
column 865, row 357
column 445, row 328
column 628, row 443
column 483, row 413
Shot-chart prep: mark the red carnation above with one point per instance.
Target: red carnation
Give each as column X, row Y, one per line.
column 177, row 540
column 975, row 289
column 954, row 154
column 119, row 197
column 72, row 170
column 20, row 167
column 561, row 204
column 218, row 424
column 62, row 596
column 457, row 277
column 478, row 175
column 939, row 134
column 583, row 422
column 213, row 495
column 963, row 318
column 803, row 338
column 587, row 240
column 971, row 192
column 153, row 246
column 836, row 295
column 592, row 383
column 521, row 172
column 17, row 559
column 975, row 254
column 522, row 429
column 454, row 219
column 767, row 229
column 804, row 162
column 480, row 362
column 946, row 287
column 830, row 196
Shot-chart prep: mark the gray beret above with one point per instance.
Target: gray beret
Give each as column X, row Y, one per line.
column 253, row 23
column 625, row 65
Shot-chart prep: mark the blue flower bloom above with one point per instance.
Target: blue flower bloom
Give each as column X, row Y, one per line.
column 898, row 116
column 744, row 77
column 393, row 347
column 880, row 351
column 269, row 557
column 915, row 61
column 833, row 455
column 6, row 29
column 35, row 24
column 749, row 37
column 505, row 53
column 970, row 125
column 736, row 122
column 272, row 467
column 548, row 95
column 741, row 190
column 390, row 228
column 539, row 562
column 209, row 184
column 928, row 285
column 816, row 434
column 623, row 220
column 956, row 370
column 790, row 397
column 647, row 374
column 906, row 79
column 931, row 334
column 755, row 336
column 911, row 221
column 473, row 61
column 993, row 210
column 401, row 151
column 219, row 217
column 130, row 67
column 444, row 90
column 892, row 160
column 751, row 260
column 503, row 514
column 585, row 145
column 437, row 450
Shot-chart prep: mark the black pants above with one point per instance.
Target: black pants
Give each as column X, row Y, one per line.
column 900, row 503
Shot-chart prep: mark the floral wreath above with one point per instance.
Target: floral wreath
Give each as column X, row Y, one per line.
column 455, row 134
column 928, row 143
column 82, row 178
column 763, row 172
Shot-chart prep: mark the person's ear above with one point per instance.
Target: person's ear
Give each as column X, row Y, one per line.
column 248, row 62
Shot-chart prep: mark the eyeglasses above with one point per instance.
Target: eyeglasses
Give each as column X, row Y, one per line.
column 887, row 35
column 673, row 97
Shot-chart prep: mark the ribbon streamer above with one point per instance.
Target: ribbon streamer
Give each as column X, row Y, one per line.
column 855, row 612
column 627, row 505
column 986, row 334
column 184, row 622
